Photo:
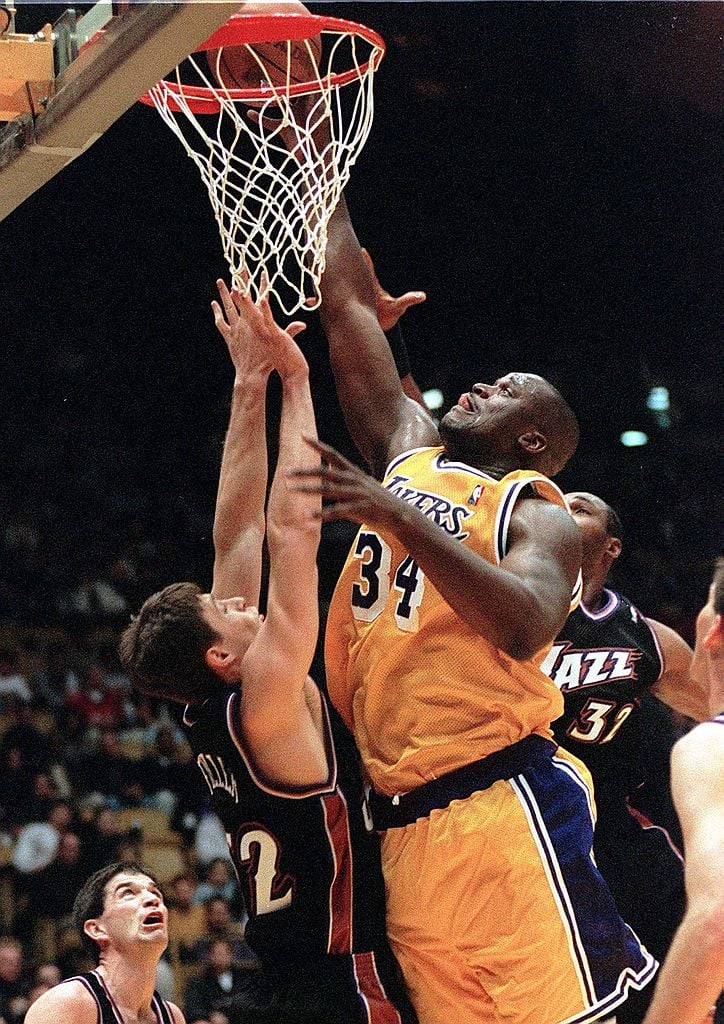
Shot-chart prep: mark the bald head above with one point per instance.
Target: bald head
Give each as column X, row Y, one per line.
column 558, row 424
column 519, row 422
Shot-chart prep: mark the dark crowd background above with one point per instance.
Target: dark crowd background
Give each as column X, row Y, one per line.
column 550, row 175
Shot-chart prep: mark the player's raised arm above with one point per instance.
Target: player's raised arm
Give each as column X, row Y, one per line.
column 382, row 420
column 275, row 696
column 239, row 516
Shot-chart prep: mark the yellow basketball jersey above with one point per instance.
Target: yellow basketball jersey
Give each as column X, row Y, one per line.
column 422, row 692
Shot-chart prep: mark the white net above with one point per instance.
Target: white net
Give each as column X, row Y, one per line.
column 275, row 167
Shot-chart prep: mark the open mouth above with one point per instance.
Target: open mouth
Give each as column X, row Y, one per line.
column 154, row 918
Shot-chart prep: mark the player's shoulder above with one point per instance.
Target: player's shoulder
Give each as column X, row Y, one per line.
column 534, row 512
column 697, row 760
column 70, row 1002
column 701, row 745
column 176, row 1014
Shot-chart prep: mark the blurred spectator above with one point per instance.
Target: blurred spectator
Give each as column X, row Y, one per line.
column 149, row 717
column 158, row 778
column 95, row 598
column 103, row 770
column 53, row 889
column 43, row 799
column 12, row 681
column 38, row 841
column 210, row 842
column 47, row 974
column 36, row 848
column 221, row 925
column 39, row 752
column 222, row 992
column 220, row 881
column 58, row 680
column 14, row 985
column 99, row 706
column 186, row 920
column 50, row 893
column 71, row 743
column 17, row 786
column 22, row 732
column 101, row 836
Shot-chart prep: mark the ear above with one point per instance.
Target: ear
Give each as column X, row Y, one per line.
column 219, row 660
column 533, row 442
column 95, row 931
column 613, row 549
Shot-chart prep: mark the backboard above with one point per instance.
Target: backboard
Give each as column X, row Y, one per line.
column 78, row 77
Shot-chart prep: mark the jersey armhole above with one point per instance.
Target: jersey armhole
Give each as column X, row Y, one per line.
column 233, row 724
column 537, row 487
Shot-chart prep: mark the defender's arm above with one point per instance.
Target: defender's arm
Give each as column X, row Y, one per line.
column 239, row 515
column 675, row 686
column 281, row 713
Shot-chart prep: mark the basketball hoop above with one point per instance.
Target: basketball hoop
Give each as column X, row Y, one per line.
column 276, row 153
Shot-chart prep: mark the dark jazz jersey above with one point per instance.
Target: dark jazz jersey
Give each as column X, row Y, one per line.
column 604, row 663
column 108, row 1011
column 308, row 867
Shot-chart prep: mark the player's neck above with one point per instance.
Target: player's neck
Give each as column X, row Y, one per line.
column 485, row 460
column 130, row 982
column 594, row 591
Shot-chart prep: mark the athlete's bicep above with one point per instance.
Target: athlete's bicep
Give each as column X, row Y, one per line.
column 675, row 686
column 544, row 551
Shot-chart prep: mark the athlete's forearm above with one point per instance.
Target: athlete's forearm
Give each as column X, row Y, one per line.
column 508, row 610
column 690, row 980
column 293, row 527
column 243, row 473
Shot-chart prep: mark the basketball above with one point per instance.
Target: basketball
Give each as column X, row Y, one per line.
column 236, row 67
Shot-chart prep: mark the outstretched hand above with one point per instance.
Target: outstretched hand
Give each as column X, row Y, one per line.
column 255, row 341
column 389, row 309
column 350, row 493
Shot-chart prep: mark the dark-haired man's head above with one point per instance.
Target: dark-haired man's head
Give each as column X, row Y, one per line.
column 186, row 645
column 164, row 647
column 121, row 907
column 600, row 528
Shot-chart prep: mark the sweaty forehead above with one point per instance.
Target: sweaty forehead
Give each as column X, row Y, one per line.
column 537, row 391
column 128, row 878
column 526, row 381
column 595, row 502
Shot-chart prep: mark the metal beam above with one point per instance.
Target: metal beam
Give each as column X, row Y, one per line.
column 137, row 49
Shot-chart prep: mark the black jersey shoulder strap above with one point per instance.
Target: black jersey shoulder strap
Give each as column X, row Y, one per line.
column 108, row 1012
column 92, row 983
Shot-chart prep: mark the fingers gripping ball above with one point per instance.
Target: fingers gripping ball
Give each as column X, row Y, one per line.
column 259, row 65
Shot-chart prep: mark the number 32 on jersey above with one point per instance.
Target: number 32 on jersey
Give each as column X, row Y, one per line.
column 378, row 579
